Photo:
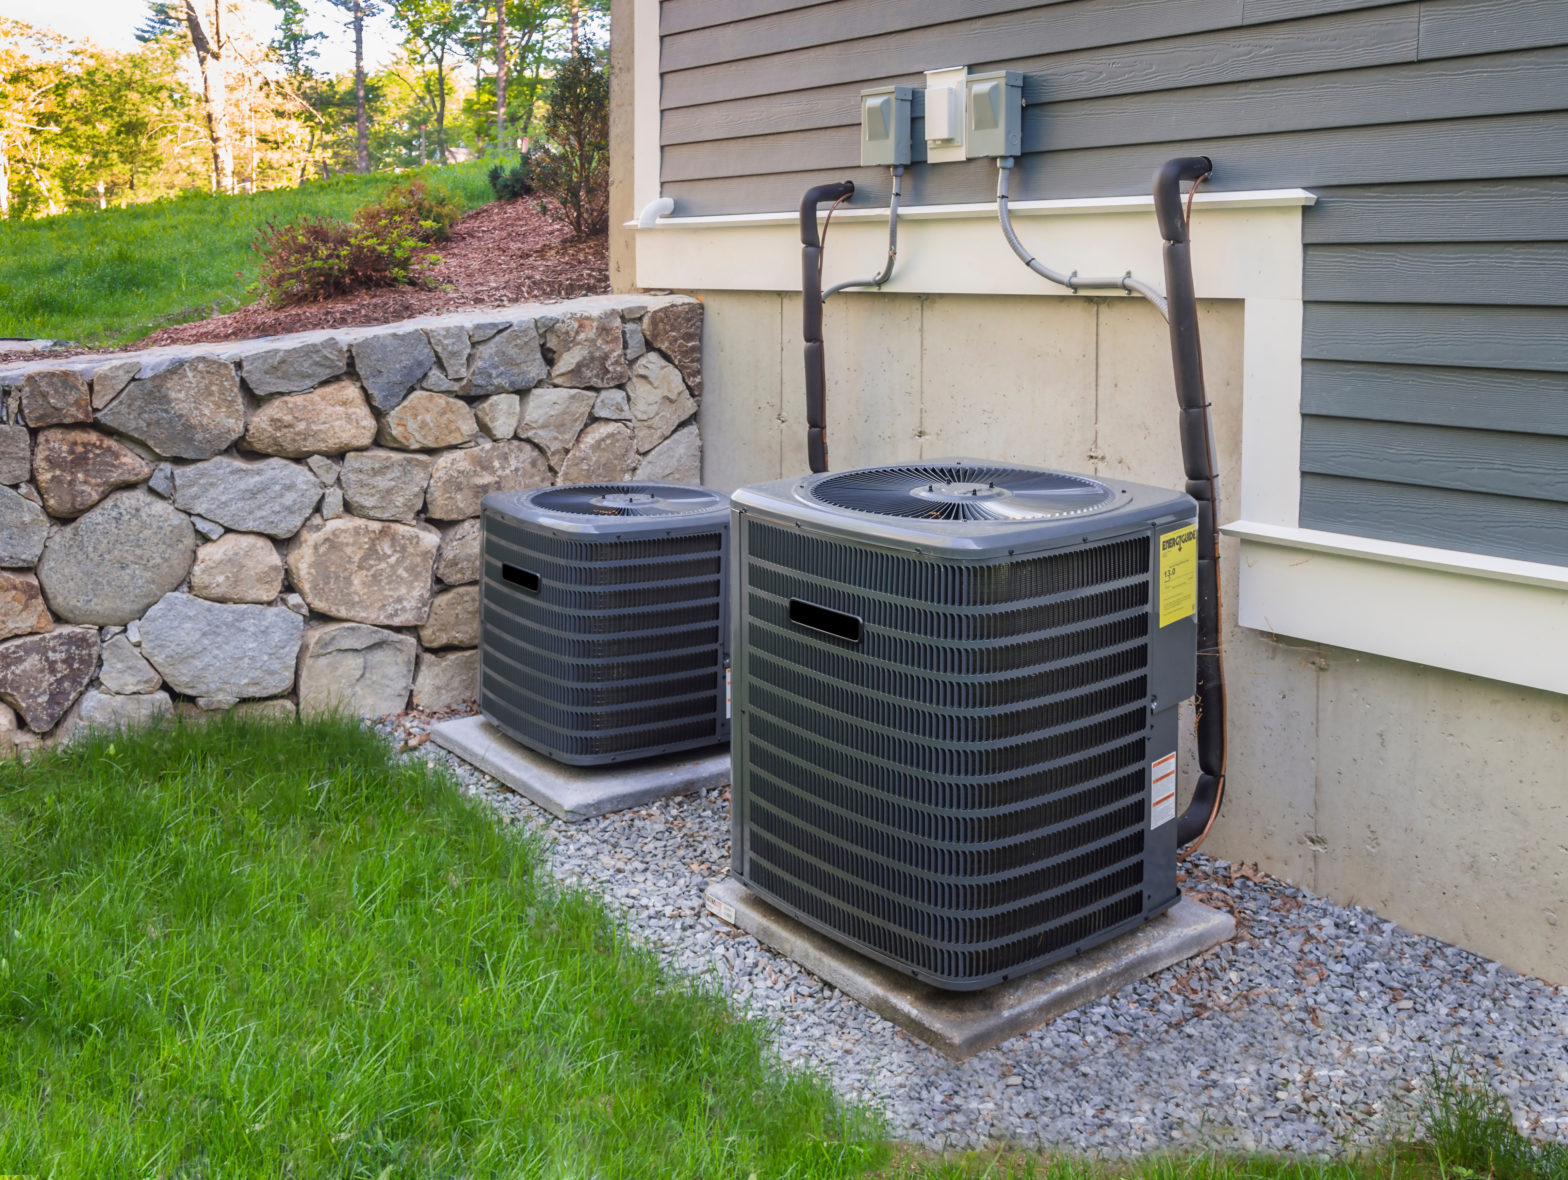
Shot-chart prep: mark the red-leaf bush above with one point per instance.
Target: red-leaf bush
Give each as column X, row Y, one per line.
column 385, row 245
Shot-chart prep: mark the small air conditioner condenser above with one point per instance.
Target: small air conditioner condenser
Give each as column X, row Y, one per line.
column 603, row 620
column 956, row 690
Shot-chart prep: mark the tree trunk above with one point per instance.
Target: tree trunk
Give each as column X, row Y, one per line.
column 215, row 89
column 5, row 183
column 577, row 20
column 441, row 109
column 500, row 75
column 361, row 130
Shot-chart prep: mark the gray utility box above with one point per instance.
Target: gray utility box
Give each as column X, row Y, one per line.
column 995, row 114
column 603, row 620
column 956, row 690
column 884, row 125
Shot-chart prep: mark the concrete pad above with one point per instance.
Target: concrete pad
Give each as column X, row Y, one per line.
column 580, row 792
column 961, row 1024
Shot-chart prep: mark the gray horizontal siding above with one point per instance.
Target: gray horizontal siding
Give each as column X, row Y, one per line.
column 1435, row 132
column 1476, row 399
column 1529, row 465
column 1526, row 530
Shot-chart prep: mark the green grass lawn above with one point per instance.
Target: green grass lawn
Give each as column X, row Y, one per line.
column 252, row 950
column 111, row 276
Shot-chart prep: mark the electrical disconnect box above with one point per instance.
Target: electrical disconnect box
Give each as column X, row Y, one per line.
column 995, row 123
column 884, row 125
column 945, row 114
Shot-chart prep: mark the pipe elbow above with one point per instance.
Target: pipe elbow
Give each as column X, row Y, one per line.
column 653, row 210
column 1167, row 193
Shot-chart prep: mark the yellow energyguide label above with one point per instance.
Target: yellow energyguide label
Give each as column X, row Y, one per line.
column 1178, row 574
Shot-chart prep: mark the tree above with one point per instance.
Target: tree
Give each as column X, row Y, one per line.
column 204, row 22
column 294, row 46
column 358, row 11
column 573, row 164
column 433, row 33
column 164, row 17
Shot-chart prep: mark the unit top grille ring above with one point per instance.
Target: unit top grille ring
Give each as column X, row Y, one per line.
column 627, row 499
column 977, row 491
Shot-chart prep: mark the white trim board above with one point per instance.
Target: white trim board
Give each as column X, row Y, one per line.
column 1505, row 620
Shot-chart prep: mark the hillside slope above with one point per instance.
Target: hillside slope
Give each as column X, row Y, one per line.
column 111, row 276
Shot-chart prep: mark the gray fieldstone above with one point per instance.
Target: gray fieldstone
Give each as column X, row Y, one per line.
column 133, row 632
column 210, row 529
column 272, row 496
column 483, row 330
column 105, row 712
column 391, row 363
column 110, row 565
column 23, row 529
column 613, row 404
column 16, row 454
column 428, row 422
column 461, row 479
column 678, row 459
column 294, row 368
column 331, row 504
column 509, row 362
column 633, row 342
column 659, row 401
column 553, row 418
column 589, row 350
column 51, row 397
column 451, row 345
column 161, row 480
column 454, row 619
column 354, row 669
column 29, row 492
column 15, row 741
column 22, row 608
column 446, row 679
column 365, row 571
column 438, row 382
column 325, row 470
column 124, row 671
column 296, row 604
column 216, row 704
column 605, row 453
column 675, row 329
column 325, row 421
column 77, row 466
column 191, row 410
column 385, row 485
column 109, row 381
column 238, row 567
column 210, row 649
column 498, row 415
column 276, row 709
column 461, row 556
column 42, row 675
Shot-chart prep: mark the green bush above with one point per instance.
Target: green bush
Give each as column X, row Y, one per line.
column 510, row 183
column 571, row 166
column 386, row 244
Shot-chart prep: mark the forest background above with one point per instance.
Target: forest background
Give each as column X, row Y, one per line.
column 229, row 96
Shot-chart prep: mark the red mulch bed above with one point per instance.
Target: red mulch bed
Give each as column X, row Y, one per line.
column 505, row 252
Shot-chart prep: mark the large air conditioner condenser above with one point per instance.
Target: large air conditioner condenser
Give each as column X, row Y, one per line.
column 956, row 690
column 604, row 628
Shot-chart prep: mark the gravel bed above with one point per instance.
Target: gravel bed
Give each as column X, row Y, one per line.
column 1312, row 1031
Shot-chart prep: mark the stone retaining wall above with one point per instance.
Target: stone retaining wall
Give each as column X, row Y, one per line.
column 291, row 523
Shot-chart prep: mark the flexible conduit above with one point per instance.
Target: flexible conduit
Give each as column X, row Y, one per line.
column 1073, row 282
column 811, row 318
column 892, row 243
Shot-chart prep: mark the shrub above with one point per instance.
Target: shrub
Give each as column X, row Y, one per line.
column 387, row 244
column 510, row 183
column 572, row 166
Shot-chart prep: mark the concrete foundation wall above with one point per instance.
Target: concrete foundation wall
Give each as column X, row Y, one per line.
column 1437, row 799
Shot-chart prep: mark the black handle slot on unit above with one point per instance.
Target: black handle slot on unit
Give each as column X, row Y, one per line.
column 526, row 579
column 820, row 618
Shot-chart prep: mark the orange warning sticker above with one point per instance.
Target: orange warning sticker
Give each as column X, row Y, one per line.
column 1162, row 791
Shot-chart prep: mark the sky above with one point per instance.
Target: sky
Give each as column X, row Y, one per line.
column 112, row 24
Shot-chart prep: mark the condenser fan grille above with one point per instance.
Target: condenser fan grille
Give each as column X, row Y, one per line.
column 628, row 499
column 978, row 492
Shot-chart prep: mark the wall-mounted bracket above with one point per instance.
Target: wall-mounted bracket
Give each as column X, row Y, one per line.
column 994, row 125
column 884, row 125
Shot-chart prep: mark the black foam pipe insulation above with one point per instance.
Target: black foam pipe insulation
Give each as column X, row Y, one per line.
column 1197, row 452
column 811, row 318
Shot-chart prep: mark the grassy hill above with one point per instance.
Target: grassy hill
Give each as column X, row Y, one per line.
column 112, row 276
